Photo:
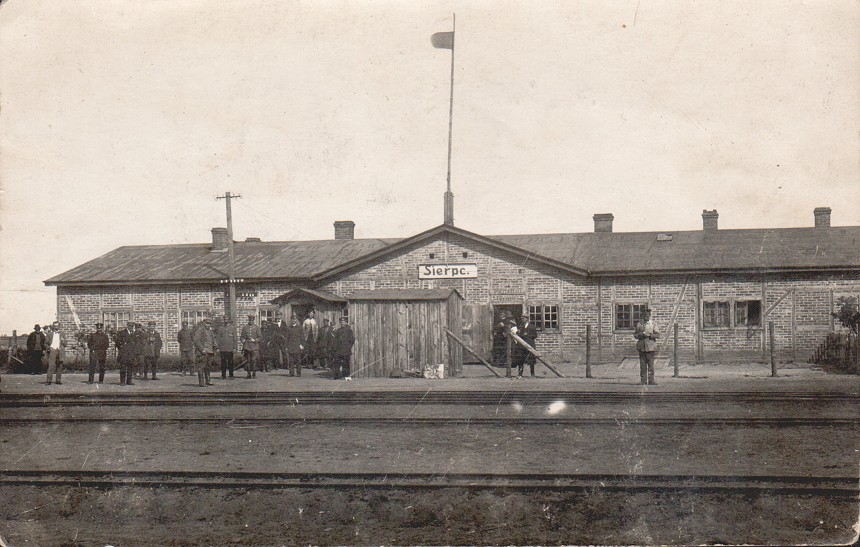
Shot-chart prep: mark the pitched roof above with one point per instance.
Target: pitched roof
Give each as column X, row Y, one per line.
column 618, row 253
column 691, row 251
column 309, row 295
column 197, row 263
column 403, row 294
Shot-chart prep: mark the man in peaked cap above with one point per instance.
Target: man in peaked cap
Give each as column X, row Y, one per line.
column 151, row 349
column 251, row 337
column 185, row 338
column 125, row 356
column 204, row 343
column 97, row 343
column 647, row 334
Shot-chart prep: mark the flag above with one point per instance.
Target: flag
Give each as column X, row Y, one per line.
column 443, row 40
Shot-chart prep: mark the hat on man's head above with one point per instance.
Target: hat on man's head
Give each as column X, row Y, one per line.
column 251, row 316
column 37, row 327
column 344, row 320
column 129, row 323
column 100, row 325
column 151, row 323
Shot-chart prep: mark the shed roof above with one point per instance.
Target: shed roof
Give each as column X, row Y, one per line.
column 403, row 294
column 308, row 294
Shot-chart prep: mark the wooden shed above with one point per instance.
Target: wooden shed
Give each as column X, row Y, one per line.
column 404, row 329
column 301, row 301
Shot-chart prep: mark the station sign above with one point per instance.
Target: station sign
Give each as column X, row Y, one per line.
column 447, row 271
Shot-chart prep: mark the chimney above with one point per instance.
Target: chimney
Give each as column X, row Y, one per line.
column 822, row 217
column 253, row 240
column 709, row 220
column 344, row 229
column 219, row 240
column 603, row 222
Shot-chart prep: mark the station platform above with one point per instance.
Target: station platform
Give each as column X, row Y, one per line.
column 623, row 377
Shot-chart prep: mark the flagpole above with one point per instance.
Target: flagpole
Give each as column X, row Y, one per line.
column 449, row 197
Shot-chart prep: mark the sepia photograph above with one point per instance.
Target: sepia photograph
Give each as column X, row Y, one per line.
column 449, row 272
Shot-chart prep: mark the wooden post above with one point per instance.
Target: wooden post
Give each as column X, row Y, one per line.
column 772, row 359
column 509, row 349
column 13, row 349
column 857, row 351
column 537, row 355
column 588, row 351
column 675, row 350
column 467, row 348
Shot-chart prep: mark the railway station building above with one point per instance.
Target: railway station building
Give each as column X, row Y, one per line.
column 721, row 287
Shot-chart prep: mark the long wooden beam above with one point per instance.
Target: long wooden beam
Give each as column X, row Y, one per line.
column 526, row 345
column 467, row 348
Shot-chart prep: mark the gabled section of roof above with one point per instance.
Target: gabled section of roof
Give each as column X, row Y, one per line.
column 309, row 295
column 431, row 234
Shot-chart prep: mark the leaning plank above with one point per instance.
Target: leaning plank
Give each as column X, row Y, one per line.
column 526, row 345
column 475, row 355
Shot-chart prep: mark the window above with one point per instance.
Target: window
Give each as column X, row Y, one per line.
column 194, row 316
column 544, row 317
column 266, row 314
column 715, row 314
column 748, row 313
column 627, row 315
column 345, row 312
column 114, row 320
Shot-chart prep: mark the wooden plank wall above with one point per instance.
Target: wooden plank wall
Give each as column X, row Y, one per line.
column 394, row 335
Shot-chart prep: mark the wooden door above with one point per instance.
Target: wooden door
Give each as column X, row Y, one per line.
column 477, row 330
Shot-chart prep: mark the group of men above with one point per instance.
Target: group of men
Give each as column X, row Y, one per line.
column 520, row 355
column 46, row 349
column 137, row 351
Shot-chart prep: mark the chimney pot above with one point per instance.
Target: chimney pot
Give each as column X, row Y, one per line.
column 603, row 222
column 822, row 217
column 709, row 220
column 344, row 229
column 219, row 240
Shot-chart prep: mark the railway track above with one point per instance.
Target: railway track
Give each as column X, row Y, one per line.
column 410, row 397
column 441, row 421
column 767, row 484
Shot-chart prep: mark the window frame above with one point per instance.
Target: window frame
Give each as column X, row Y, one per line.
column 632, row 304
column 732, row 311
column 206, row 313
column 116, row 324
column 541, row 313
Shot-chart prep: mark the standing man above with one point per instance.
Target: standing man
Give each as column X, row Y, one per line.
column 98, row 343
column 279, row 340
column 186, row 348
column 310, row 328
column 324, row 344
column 295, row 345
column 267, row 350
column 56, row 344
column 139, row 342
column 647, row 334
column 151, row 349
column 344, row 339
column 204, row 343
column 528, row 332
column 125, row 357
column 36, row 345
column 251, row 336
column 226, row 338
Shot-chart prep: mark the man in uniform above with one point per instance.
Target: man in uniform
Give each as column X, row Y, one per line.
column 344, row 339
column 251, row 336
column 226, row 339
column 647, row 334
column 324, row 344
column 138, row 338
column 528, row 332
column 151, row 349
column 204, row 343
column 186, row 348
column 279, row 340
column 56, row 344
column 295, row 345
column 98, row 343
column 125, row 356
column 268, row 353
column 35, row 350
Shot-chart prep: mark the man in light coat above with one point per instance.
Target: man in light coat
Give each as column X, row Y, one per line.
column 56, row 344
column 647, row 334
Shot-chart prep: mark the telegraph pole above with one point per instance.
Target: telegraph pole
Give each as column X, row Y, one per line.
column 231, row 282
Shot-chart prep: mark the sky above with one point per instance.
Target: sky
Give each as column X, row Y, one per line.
column 121, row 121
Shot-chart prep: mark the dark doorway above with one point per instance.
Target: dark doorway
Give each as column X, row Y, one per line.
column 301, row 311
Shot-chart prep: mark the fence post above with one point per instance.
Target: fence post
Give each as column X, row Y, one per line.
column 675, row 350
column 857, row 351
column 772, row 359
column 509, row 351
column 588, row 351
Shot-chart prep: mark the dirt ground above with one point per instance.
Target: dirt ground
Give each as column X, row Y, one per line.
column 145, row 517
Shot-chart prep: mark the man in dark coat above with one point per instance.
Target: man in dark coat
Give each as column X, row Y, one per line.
column 294, row 342
column 35, row 350
column 279, row 340
column 528, row 332
column 325, row 343
column 151, row 349
column 125, row 356
column 98, row 343
column 251, row 337
column 268, row 353
column 225, row 336
column 344, row 339
column 186, row 348
column 206, row 346
column 646, row 333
